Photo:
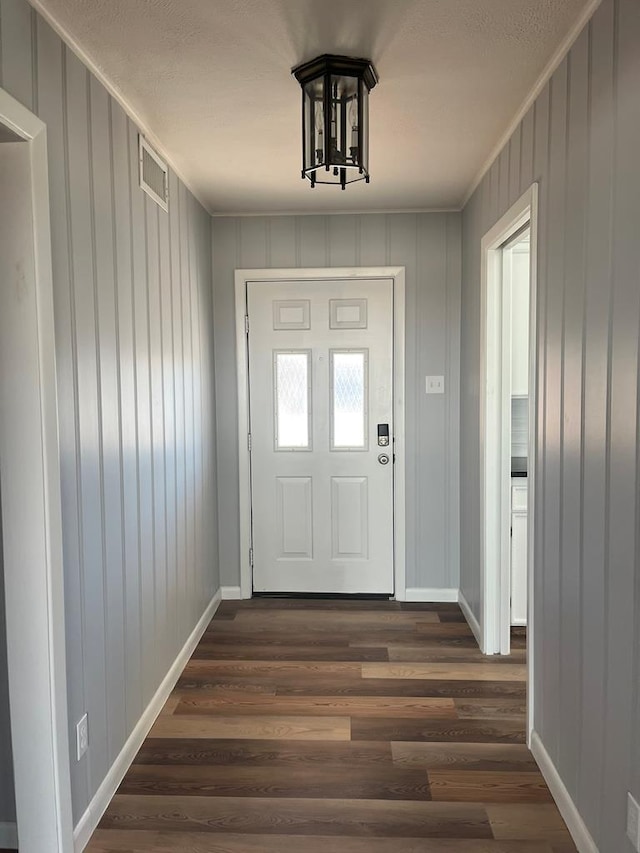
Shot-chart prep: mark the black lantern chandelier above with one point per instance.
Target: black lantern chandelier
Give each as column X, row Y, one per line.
column 335, row 118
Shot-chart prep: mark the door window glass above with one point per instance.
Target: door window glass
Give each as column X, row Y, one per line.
column 349, row 407
column 293, row 398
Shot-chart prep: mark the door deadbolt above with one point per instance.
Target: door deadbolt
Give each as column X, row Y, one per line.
column 383, row 435
column 383, row 459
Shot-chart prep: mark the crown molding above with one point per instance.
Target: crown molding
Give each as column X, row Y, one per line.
column 362, row 212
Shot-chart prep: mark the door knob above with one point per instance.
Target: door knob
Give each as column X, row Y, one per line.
column 383, row 459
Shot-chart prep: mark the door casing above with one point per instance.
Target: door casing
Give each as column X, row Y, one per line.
column 35, row 622
column 495, row 449
column 242, row 278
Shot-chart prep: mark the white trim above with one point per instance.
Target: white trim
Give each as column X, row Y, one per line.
column 231, row 593
column 435, row 595
column 113, row 90
column 98, row 805
column 37, row 666
column 8, row 835
column 471, row 619
column 567, row 808
column 495, row 473
column 333, row 212
column 242, row 278
column 549, row 70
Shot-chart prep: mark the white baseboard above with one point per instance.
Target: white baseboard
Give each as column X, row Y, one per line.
column 98, row 805
column 418, row 593
column 231, row 593
column 577, row 827
column 471, row 619
column 8, row 835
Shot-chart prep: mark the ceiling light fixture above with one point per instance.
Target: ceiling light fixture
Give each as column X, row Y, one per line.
column 335, row 118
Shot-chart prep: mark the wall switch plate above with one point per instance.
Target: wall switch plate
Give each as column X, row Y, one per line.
column 633, row 822
column 435, row 385
column 82, row 737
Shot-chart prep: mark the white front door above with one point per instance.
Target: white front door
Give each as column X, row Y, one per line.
column 321, row 409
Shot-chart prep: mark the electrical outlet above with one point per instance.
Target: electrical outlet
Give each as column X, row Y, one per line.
column 435, row 385
column 82, row 736
column 633, row 822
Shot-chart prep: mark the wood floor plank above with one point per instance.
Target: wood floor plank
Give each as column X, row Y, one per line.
column 205, row 702
column 169, row 706
column 512, row 709
column 283, row 816
column 478, row 786
column 542, row 822
column 453, row 671
column 328, row 619
column 269, row 668
column 454, row 731
column 351, row 686
column 269, row 727
column 143, row 841
column 463, row 756
column 283, row 652
column 416, row 631
column 429, row 654
column 368, row 782
column 264, row 753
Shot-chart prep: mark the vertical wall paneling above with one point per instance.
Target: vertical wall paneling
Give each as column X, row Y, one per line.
column 582, row 137
column 428, row 245
column 7, row 802
column 134, row 356
column 17, row 50
column 122, row 191
column 109, row 409
column 596, row 361
column 89, row 427
column 572, row 393
column 540, row 168
column 623, row 486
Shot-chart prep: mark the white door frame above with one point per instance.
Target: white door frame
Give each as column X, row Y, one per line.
column 242, row 279
column 495, row 450
column 33, row 563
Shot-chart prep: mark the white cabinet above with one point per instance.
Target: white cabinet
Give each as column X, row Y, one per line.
column 519, row 551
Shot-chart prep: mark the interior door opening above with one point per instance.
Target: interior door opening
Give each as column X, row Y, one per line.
column 508, row 438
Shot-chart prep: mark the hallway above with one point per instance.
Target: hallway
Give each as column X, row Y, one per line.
column 346, row 726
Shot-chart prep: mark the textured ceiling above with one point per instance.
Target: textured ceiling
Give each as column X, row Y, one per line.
column 211, row 79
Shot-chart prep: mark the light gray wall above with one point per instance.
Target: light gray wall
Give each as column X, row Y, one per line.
column 428, row 245
column 136, row 394
column 580, row 141
column 7, row 800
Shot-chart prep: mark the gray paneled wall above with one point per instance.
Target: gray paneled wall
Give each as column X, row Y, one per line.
column 7, row 801
column 580, row 141
column 428, row 245
column 136, row 394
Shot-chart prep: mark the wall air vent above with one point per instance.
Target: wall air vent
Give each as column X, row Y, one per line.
column 154, row 177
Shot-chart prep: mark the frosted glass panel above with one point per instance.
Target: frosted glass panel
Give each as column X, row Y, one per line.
column 349, row 391
column 292, row 400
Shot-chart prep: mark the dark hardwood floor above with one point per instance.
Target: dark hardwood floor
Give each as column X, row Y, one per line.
column 331, row 726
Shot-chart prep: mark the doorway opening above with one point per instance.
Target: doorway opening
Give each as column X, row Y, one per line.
column 508, row 428
column 320, row 357
column 31, row 543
